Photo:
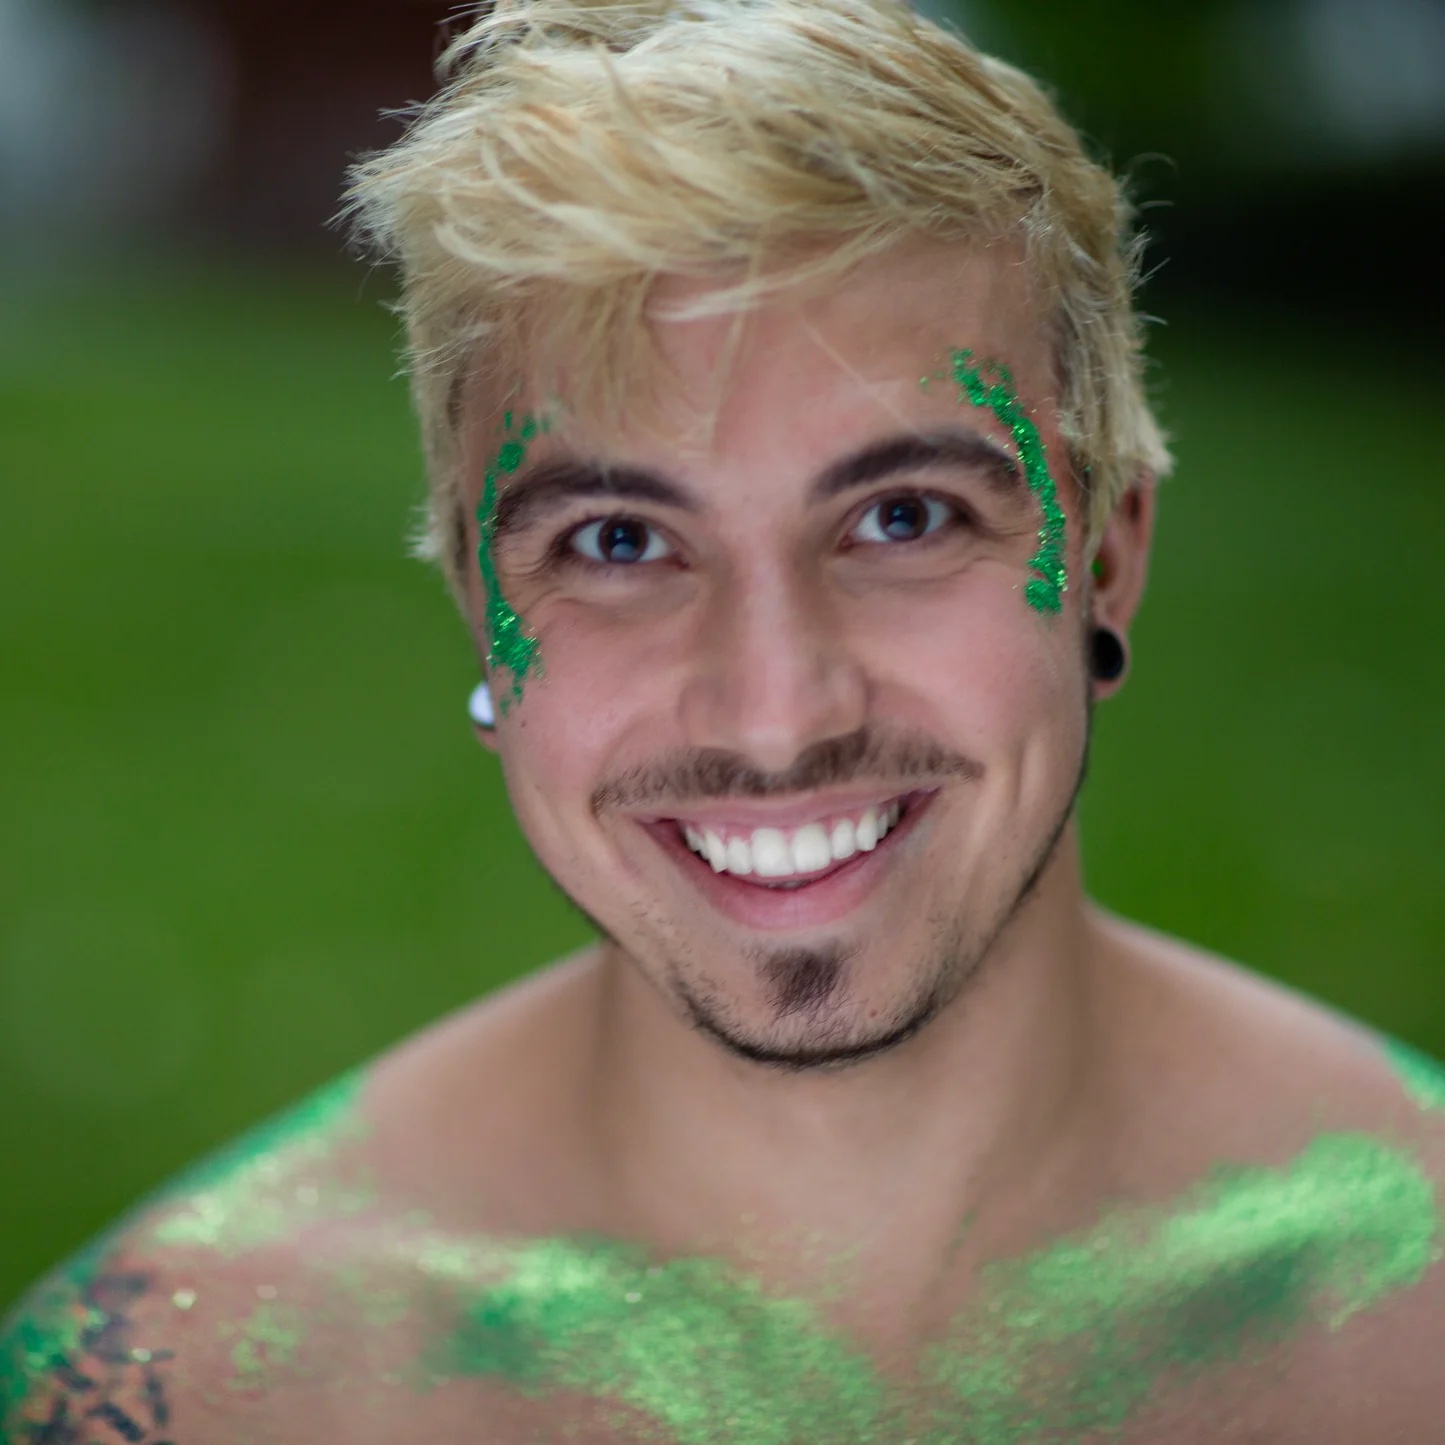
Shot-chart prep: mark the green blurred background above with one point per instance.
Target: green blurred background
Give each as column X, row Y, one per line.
column 247, row 838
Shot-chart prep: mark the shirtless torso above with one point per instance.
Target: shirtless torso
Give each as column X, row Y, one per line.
column 430, row 1250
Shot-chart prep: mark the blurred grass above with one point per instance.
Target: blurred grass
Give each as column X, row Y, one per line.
column 247, row 838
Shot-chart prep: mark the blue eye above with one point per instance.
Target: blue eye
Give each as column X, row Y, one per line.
column 904, row 518
column 619, row 541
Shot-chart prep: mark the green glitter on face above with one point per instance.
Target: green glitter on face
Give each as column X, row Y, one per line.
column 509, row 645
column 989, row 384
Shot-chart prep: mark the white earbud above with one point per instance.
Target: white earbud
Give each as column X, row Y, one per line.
column 480, row 708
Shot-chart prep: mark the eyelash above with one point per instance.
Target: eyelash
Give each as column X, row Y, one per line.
column 563, row 551
column 950, row 513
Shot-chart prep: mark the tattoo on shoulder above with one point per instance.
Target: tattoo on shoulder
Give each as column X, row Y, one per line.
column 76, row 1368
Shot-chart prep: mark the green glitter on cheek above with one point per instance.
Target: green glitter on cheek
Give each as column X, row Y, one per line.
column 989, row 384
column 510, row 645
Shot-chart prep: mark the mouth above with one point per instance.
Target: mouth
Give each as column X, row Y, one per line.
column 795, row 872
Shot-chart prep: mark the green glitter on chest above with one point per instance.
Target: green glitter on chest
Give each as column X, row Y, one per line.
column 1068, row 1342
column 707, row 1353
column 271, row 1181
column 267, row 1342
column 1243, row 1260
column 1421, row 1077
column 509, row 644
column 989, row 384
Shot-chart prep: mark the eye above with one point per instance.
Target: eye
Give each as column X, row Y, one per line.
column 904, row 518
column 619, row 541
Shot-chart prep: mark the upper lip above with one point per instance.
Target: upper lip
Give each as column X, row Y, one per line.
column 746, row 814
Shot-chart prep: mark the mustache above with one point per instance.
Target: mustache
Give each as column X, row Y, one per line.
column 710, row 773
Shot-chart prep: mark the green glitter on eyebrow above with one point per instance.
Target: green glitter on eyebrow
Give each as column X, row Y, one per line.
column 1421, row 1076
column 509, row 645
column 990, row 384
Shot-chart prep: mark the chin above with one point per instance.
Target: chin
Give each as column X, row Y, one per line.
column 805, row 1011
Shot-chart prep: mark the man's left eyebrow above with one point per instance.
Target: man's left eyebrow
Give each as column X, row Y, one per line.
column 542, row 488
column 918, row 451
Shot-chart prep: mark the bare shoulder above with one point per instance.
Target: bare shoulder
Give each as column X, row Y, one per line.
column 1309, row 1152
column 294, row 1285
column 157, row 1330
column 1240, row 1057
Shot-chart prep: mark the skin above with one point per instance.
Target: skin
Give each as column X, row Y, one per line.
column 902, row 1148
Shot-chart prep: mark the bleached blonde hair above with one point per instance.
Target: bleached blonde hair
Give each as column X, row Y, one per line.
column 577, row 152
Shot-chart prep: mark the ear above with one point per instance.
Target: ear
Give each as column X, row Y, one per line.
column 1119, row 567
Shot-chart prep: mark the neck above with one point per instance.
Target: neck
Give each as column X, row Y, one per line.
column 893, row 1159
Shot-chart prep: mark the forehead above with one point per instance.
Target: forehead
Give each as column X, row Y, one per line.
column 811, row 372
column 877, row 323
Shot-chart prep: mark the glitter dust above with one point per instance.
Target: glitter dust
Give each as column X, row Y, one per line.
column 989, row 384
column 510, row 645
column 281, row 1264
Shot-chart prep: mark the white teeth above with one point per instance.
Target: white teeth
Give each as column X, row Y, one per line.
column 772, row 858
column 811, row 850
column 774, row 853
column 740, row 856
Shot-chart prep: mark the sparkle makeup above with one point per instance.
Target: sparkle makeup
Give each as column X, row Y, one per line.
column 1075, row 1339
column 990, row 384
column 510, row 645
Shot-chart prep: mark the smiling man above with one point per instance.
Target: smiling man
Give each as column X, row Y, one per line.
column 781, row 391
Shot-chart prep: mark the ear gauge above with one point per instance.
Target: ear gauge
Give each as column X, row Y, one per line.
column 480, row 708
column 1108, row 656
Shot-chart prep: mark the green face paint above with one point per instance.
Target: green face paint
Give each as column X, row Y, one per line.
column 989, row 384
column 509, row 645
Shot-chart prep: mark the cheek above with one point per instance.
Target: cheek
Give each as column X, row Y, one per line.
column 980, row 666
column 578, row 721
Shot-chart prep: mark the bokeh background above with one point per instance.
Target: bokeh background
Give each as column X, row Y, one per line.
column 246, row 838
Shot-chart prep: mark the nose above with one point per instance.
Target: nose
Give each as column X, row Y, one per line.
column 774, row 674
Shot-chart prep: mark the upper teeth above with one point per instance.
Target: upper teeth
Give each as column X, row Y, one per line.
column 787, row 853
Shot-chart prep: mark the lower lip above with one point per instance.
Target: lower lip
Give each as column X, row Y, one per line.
column 826, row 899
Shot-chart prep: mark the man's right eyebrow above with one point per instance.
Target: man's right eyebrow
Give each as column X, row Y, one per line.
column 549, row 485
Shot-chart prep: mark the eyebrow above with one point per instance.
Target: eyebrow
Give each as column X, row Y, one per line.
column 959, row 448
column 550, row 484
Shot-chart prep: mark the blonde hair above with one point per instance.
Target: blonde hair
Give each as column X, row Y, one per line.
column 579, row 151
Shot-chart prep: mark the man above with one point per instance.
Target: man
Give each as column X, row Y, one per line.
column 789, row 459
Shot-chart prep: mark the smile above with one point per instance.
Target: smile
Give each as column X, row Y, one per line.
column 784, row 866
column 783, row 854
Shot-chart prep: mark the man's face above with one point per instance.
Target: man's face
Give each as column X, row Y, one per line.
column 799, row 744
